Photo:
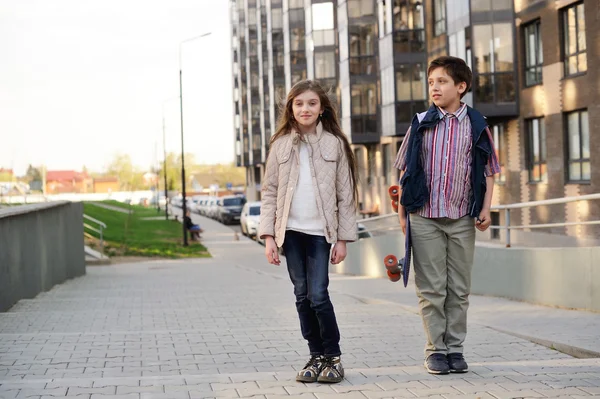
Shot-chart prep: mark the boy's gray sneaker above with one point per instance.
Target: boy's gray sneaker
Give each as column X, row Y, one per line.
column 437, row 363
column 457, row 363
column 332, row 371
column 311, row 370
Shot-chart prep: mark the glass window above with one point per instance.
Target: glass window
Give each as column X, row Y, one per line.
column 296, row 3
column 296, row 16
column 410, row 82
column 324, row 37
column 254, row 210
column 574, row 45
column 324, row 65
column 364, row 99
column 536, row 146
column 322, row 14
column 481, row 5
column 501, row 150
column 533, row 53
column 360, row 8
column 482, row 48
column 363, row 40
column 277, row 18
column 439, row 17
column 297, row 39
column 408, row 15
column 579, row 146
column 502, row 47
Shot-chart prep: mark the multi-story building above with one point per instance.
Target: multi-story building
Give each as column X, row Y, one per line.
column 531, row 80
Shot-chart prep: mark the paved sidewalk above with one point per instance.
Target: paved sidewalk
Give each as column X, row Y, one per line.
column 227, row 327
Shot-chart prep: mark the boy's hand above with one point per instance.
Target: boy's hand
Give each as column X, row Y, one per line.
column 271, row 251
column 339, row 252
column 402, row 218
column 484, row 220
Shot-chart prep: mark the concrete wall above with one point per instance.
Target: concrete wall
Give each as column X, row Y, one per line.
column 565, row 277
column 41, row 245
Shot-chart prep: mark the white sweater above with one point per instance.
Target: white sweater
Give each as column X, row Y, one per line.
column 304, row 214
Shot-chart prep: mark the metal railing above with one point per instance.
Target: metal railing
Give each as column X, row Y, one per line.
column 385, row 223
column 100, row 229
column 506, row 208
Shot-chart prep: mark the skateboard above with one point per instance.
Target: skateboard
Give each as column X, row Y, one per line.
column 397, row 268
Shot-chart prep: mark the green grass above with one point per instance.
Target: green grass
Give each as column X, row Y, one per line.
column 130, row 235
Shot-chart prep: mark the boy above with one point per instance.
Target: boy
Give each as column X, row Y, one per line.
column 448, row 164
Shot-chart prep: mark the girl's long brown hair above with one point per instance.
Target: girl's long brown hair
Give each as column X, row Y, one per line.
column 329, row 119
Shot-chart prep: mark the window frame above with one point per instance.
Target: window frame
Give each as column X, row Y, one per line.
column 542, row 142
column 564, row 40
column 439, row 18
column 579, row 161
column 539, row 64
column 501, row 150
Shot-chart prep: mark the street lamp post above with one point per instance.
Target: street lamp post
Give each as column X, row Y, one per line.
column 165, row 157
column 184, row 204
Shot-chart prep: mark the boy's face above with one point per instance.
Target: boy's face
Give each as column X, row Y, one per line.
column 444, row 91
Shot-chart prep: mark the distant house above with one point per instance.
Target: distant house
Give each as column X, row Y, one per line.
column 106, row 184
column 67, row 181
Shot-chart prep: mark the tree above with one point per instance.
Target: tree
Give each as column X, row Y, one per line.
column 130, row 177
column 33, row 174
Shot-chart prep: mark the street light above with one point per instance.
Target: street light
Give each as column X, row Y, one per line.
column 184, row 205
column 165, row 157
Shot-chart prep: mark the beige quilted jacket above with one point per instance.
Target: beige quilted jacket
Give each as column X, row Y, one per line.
column 331, row 179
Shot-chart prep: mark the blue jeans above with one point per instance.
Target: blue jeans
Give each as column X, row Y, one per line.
column 307, row 259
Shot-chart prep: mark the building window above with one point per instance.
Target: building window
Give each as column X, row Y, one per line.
column 574, row 45
column 501, row 150
column 408, row 15
column 410, row 82
column 296, row 4
column 363, row 40
column 534, row 57
column 277, row 19
column 536, row 150
column 364, row 99
column 439, row 16
column 494, row 63
column 325, row 65
column 385, row 155
column 579, row 146
column 360, row 8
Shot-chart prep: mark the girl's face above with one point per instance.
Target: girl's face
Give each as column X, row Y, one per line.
column 306, row 108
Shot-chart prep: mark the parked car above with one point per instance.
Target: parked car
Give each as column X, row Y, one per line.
column 250, row 218
column 229, row 208
column 212, row 208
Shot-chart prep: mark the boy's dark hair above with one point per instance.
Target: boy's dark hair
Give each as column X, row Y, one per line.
column 456, row 67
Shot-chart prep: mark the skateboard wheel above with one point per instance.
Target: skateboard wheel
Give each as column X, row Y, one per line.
column 393, row 276
column 393, row 191
column 390, row 262
column 395, row 205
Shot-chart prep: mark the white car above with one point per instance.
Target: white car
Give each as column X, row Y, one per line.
column 250, row 218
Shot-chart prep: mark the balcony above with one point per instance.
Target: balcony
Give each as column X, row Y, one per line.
column 409, row 41
column 364, row 129
column 495, row 94
column 363, row 65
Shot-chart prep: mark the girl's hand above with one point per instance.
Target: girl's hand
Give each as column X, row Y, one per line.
column 271, row 251
column 339, row 252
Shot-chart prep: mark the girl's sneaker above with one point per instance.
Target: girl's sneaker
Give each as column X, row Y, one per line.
column 311, row 370
column 332, row 370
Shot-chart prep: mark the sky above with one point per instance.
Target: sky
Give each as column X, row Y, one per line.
column 84, row 80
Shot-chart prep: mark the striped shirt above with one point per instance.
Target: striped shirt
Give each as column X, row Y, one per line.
column 446, row 158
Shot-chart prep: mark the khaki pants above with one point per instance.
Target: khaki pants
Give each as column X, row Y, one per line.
column 443, row 252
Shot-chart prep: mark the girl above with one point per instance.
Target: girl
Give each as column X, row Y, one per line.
column 308, row 204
